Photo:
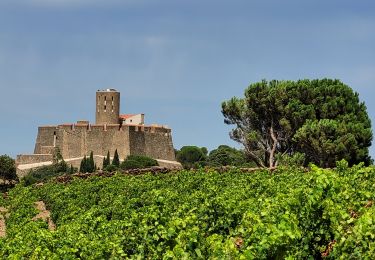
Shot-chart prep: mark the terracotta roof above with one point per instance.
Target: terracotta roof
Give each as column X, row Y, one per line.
column 126, row 116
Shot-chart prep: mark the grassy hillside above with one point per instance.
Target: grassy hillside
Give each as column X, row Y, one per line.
column 284, row 214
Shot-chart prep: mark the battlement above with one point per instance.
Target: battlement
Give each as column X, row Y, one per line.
column 108, row 127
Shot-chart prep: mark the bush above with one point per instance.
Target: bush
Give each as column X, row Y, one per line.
column 45, row 173
column 7, row 168
column 110, row 168
column 138, row 162
column 131, row 164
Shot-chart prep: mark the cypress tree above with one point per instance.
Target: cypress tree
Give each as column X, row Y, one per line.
column 116, row 160
column 106, row 161
column 83, row 167
column 90, row 163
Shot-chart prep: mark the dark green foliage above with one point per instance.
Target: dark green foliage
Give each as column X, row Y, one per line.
column 91, row 163
column 83, row 166
column 106, row 160
column 72, row 169
column 192, row 156
column 45, row 173
column 87, row 164
column 289, row 214
column 138, row 162
column 204, row 150
column 227, row 156
column 323, row 119
column 110, row 168
column 131, row 164
column 7, row 168
column 41, row 174
column 116, row 159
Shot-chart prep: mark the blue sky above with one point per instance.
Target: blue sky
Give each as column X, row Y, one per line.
column 175, row 61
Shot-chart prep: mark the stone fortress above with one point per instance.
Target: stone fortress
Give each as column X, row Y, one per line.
column 111, row 131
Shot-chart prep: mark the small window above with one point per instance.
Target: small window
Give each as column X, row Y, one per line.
column 105, row 98
column 105, row 108
column 131, row 120
column 112, row 99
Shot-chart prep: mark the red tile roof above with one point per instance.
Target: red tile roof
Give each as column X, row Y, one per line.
column 126, row 116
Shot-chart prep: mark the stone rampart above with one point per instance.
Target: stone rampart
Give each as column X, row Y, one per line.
column 45, row 137
column 78, row 140
column 47, row 149
column 33, row 158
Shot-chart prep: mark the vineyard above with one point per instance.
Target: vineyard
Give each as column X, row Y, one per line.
column 203, row 214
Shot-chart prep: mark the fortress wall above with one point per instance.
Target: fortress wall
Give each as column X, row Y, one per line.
column 136, row 140
column 33, row 158
column 47, row 149
column 95, row 139
column 114, row 138
column 45, row 137
column 159, row 144
column 72, row 140
column 79, row 140
column 155, row 142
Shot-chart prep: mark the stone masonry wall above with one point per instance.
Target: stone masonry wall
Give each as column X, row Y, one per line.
column 76, row 141
column 155, row 142
column 79, row 140
column 44, row 137
column 136, row 140
column 33, row 158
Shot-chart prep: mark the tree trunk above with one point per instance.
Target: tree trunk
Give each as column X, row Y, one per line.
column 273, row 149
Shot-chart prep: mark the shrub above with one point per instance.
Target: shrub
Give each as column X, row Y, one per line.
column 7, row 168
column 131, row 164
column 137, row 162
column 110, row 168
column 45, row 173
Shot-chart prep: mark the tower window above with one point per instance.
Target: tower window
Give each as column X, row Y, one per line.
column 105, row 98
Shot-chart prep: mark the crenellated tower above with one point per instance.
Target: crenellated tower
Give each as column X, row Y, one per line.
column 107, row 106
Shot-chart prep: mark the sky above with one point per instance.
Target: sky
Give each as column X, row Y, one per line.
column 176, row 61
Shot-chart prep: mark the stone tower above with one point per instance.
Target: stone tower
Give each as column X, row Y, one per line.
column 107, row 106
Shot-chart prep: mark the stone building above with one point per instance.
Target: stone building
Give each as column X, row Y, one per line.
column 109, row 133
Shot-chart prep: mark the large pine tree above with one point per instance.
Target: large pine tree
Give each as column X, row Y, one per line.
column 323, row 119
